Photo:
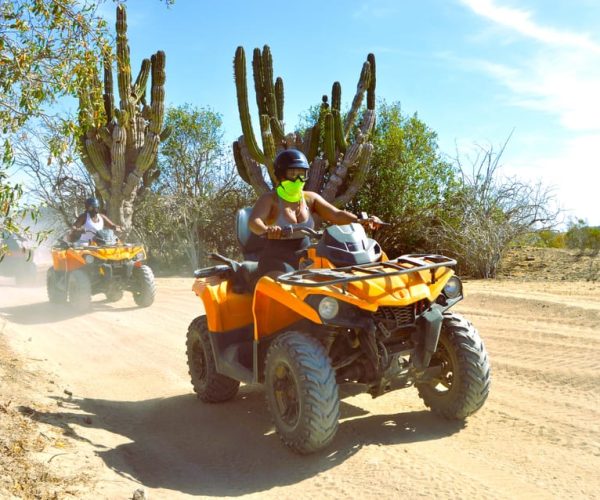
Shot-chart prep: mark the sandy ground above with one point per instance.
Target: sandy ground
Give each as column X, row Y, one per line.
column 129, row 419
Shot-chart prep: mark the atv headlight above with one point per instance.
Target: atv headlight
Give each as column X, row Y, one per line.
column 328, row 308
column 89, row 259
column 453, row 288
column 139, row 256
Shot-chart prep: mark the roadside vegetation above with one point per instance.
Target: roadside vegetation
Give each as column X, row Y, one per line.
column 191, row 184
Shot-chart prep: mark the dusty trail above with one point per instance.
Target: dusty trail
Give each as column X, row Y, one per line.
column 134, row 419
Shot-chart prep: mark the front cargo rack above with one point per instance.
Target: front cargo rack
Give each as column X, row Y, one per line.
column 324, row 277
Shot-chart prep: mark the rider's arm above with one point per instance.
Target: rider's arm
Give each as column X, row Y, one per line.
column 108, row 222
column 260, row 214
column 330, row 213
column 79, row 222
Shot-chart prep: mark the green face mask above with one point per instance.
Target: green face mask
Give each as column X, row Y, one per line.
column 290, row 190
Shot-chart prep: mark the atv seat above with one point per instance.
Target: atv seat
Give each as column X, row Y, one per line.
column 244, row 275
column 250, row 243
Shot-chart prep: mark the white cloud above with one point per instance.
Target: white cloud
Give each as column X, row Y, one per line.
column 559, row 75
column 520, row 21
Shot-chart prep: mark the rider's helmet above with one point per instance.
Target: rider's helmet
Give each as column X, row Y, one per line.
column 92, row 203
column 289, row 158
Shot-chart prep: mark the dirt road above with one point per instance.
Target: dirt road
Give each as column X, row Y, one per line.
column 132, row 419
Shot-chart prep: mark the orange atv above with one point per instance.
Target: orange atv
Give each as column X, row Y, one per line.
column 105, row 265
column 347, row 316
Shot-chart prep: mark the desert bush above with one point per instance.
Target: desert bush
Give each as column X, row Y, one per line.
column 490, row 211
column 582, row 237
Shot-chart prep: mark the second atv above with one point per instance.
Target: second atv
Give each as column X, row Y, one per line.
column 348, row 316
column 106, row 266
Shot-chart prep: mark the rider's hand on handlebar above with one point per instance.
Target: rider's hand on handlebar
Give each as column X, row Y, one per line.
column 273, row 232
column 372, row 222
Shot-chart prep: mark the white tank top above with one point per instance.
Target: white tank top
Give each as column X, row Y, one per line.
column 90, row 227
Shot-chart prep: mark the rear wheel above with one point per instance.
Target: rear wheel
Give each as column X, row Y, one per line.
column 302, row 393
column 57, row 294
column 144, row 286
column 80, row 290
column 464, row 382
column 211, row 387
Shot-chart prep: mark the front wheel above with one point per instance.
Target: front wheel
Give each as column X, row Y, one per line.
column 144, row 286
column 57, row 293
column 80, row 290
column 464, row 381
column 211, row 387
column 302, row 393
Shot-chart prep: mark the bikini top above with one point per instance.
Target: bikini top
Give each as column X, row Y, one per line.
column 281, row 221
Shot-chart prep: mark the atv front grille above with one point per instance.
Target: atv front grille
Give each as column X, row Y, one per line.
column 396, row 317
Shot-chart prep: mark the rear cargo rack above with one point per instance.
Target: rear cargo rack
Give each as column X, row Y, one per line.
column 395, row 267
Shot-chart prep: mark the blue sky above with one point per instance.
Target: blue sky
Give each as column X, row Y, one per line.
column 473, row 70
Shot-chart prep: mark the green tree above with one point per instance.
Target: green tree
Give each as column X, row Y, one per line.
column 408, row 183
column 46, row 48
column 193, row 203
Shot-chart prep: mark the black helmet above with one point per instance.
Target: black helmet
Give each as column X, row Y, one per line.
column 92, row 203
column 289, row 158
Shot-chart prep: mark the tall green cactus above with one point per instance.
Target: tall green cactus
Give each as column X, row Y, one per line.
column 338, row 150
column 119, row 145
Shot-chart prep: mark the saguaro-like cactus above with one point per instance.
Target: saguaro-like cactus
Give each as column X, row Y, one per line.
column 339, row 151
column 119, row 145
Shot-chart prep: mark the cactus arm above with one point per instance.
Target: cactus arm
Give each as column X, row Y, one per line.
column 124, row 73
column 149, row 150
column 117, row 153
column 372, row 83
column 139, row 87
column 166, row 133
column 257, row 71
column 339, row 174
column 361, row 87
column 340, row 140
column 318, row 167
column 278, row 133
column 336, row 96
column 268, row 87
column 109, row 97
column 312, row 144
column 97, row 155
column 244, row 111
column 239, row 162
column 279, row 97
column 329, row 141
column 269, row 146
column 359, row 178
column 368, row 122
column 257, row 181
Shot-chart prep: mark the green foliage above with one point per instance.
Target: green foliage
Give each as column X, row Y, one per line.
column 582, row 237
column 47, row 49
column 190, row 156
column 549, row 238
column 191, row 209
column 409, row 182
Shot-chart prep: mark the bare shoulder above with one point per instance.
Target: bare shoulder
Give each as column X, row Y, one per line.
column 264, row 205
column 311, row 197
column 265, row 199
